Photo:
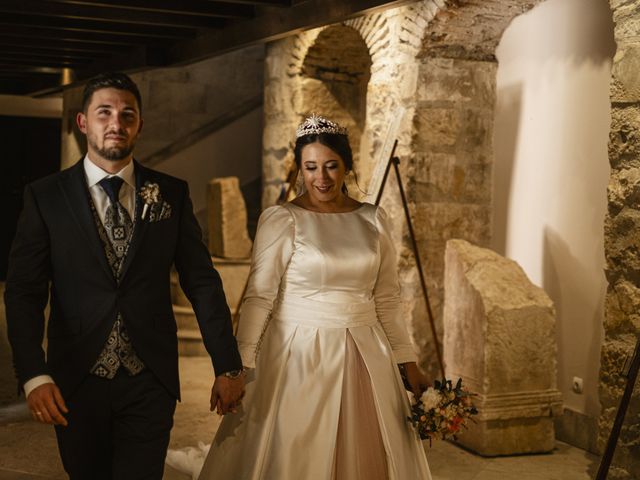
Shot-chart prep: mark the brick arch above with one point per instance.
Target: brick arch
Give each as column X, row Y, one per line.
column 338, row 64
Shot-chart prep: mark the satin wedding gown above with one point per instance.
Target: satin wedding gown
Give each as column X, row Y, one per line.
column 321, row 325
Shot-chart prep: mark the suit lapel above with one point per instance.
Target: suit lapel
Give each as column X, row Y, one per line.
column 76, row 194
column 140, row 226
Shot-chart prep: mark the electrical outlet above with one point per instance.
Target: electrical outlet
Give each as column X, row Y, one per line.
column 577, row 385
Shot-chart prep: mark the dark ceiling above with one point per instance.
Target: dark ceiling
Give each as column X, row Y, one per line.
column 44, row 43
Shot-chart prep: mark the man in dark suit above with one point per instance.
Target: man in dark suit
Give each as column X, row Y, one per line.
column 98, row 241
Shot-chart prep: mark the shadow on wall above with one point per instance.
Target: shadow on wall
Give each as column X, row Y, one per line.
column 563, row 277
column 507, row 127
column 550, row 176
column 560, row 36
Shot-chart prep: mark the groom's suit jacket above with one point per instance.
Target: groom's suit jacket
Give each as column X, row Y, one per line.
column 57, row 252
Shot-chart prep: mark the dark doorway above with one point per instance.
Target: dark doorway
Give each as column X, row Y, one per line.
column 31, row 149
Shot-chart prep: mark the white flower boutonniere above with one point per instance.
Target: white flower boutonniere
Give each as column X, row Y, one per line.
column 153, row 203
column 150, row 193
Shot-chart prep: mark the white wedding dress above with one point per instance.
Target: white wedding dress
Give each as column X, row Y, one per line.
column 321, row 323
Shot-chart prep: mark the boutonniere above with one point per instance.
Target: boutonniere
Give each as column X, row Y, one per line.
column 158, row 210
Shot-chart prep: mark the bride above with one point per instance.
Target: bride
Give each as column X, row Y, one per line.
column 322, row 337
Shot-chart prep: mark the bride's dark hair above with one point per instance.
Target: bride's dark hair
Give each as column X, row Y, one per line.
column 336, row 142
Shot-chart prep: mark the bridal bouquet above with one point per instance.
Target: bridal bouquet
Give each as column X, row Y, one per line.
column 442, row 410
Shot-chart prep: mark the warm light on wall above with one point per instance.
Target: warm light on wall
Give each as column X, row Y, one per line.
column 67, row 76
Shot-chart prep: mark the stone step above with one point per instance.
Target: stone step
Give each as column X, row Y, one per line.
column 185, row 317
column 189, row 337
column 190, row 343
column 234, row 273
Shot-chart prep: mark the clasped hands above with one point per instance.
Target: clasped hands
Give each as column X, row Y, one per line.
column 226, row 394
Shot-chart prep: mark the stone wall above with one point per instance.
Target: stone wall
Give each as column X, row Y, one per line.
column 435, row 59
column 622, row 242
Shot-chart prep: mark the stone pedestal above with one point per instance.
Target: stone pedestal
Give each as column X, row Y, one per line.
column 499, row 337
column 228, row 235
column 234, row 275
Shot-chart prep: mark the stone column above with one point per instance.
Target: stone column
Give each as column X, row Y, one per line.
column 499, row 337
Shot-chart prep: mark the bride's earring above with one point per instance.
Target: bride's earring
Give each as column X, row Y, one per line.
column 344, row 183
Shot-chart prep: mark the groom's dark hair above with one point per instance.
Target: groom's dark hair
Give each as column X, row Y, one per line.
column 118, row 80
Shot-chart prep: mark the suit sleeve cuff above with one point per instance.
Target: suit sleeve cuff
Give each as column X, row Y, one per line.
column 35, row 382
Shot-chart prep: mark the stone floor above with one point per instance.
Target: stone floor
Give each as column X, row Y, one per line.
column 28, row 450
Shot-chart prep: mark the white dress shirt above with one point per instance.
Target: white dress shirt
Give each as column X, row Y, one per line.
column 127, row 197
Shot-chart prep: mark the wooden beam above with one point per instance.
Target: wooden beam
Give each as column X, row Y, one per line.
column 29, row 41
column 108, row 14
column 21, row 70
column 30, row 62
column 27, row 83
column 49, row 52
column 88, row 38
column 183, row 7
column 77, row 25
column 272, row 3
column 272, row 24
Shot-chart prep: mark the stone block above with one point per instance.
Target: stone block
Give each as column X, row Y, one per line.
column 499, row 337
column 437, row 127
column 445, row 79
column 228, row 236
column 624, row 139
column 626, row 66
column 442, row 177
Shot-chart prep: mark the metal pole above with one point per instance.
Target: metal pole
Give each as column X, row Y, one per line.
column 632, row 376
column 423, row 283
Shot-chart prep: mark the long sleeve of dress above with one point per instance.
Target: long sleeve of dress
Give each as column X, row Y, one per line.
column 272, row 250
column 387, row 295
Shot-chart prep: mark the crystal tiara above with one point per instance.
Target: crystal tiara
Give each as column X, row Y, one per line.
column 316, row 124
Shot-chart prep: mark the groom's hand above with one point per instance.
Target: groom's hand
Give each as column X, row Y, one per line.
column 47, row 405
column 226, row 394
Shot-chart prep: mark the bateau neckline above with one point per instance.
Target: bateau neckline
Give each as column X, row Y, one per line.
column 328, row 213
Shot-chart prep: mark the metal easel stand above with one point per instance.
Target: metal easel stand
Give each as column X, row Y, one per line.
column 395, row 161
column 632, row 377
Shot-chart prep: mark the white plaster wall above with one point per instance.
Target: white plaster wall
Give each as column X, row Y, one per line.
column 551, row 171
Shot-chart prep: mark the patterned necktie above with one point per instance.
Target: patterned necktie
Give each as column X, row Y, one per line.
column 117, row 221
column 117, row 225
